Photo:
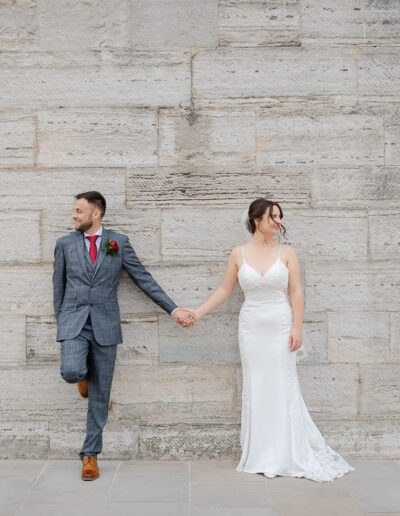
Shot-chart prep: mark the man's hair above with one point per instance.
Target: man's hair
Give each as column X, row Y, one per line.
column 94, row 198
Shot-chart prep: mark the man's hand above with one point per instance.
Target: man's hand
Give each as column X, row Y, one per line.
column 185, row 317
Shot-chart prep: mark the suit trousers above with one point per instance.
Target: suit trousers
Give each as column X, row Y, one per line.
column 82, row 358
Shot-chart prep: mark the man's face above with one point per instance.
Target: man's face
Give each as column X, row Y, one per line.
column 83, row 215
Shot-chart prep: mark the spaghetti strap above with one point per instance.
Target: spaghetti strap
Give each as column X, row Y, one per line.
column 244, row 258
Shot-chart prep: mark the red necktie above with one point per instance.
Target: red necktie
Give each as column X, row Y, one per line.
column 93, row 247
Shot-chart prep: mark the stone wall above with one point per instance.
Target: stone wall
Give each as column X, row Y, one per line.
column 181, row 112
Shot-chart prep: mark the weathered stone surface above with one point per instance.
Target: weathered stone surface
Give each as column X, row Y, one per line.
column 140, row 340
column 93, row 78
column 24, row 439
column 363, row 439
column 211, row 340
column 363, row 22
column 341, row 138
column 314, row 339
column 190, row 24
column 207, row 136
column 380, row 390
column 216, row 186
column 39, row 394
column 352, row 285
column 392, row 136
column 355, row 187
column 173, row 393
column 358, row 337
column 308, row 228
column 77, row 25
column 97, row 137
column 26, row 289
column 17, row 138
column 41, row 344
column 248, row 23
column 269, row 72
column 382, row 244
column 12, row 339
column 37, row 189
column 187, row 285
column 330, row 391
column 120, row 440
column 20, row 236
column 379, row 73
column 395, row 336
column 18, row 24
column 141, row 226
column 194, row 233
column 179, row 441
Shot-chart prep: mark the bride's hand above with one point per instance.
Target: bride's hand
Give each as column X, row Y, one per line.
column 295, row 339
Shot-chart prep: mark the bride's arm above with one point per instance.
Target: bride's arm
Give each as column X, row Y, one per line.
column 225, row 289
column 295, row 288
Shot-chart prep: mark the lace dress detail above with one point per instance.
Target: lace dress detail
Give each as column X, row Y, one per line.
column 278, row 435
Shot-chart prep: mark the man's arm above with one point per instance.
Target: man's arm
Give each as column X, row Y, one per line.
column 144, row 280
column 58, row 278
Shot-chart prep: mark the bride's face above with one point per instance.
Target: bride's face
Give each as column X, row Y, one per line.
column 268, row 226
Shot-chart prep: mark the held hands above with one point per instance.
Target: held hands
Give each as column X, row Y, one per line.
column 295, row 339
column 185, row 317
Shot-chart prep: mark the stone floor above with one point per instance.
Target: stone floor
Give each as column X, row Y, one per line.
column 205, row 488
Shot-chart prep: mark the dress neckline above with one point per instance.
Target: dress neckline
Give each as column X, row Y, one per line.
column 262, row 276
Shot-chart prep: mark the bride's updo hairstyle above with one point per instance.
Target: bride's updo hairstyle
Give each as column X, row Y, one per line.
column 258, row 209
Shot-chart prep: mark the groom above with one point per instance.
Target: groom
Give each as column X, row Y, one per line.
column 87, row 267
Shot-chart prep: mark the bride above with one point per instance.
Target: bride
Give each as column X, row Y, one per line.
column 278, row 436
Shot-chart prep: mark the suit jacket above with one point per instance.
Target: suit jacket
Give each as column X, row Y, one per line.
column 81, row 288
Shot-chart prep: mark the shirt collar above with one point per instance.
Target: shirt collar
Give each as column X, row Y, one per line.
column 99, row 232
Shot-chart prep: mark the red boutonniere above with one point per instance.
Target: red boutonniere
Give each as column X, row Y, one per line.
column 111, row 247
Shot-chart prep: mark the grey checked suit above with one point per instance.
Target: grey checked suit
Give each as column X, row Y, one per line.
column 86, row 307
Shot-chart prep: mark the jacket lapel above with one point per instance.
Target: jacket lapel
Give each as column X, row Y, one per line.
column 101, row 254
column 79, row 243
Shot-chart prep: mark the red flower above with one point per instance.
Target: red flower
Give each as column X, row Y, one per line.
column 114, row 245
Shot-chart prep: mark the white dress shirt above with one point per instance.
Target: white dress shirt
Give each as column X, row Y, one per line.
column 98, row 240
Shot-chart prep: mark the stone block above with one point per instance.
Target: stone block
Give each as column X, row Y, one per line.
column 20, row 236
column 382, row 244
column 175, row 442
column 216, row 185
column 26, row 289
column 173, row 393
column 41, row 344
column 341, row 138
column 395, row 336
column 41, row 189
column 262, row 73
column 78, row 25
column 314, row 339
column 12, row 339
column 17, row 138
column 380, row 390
column 330, row 391
column 190, row 24
column 18, row 24
column 206, row 137
column 342, row 22
column 120, row 440
column 107, row 78
column 379, row 73
column 392, row 135
column 97, row 137
column 140, row 340
column 212, row 340
column 355, row 187
column 24, row 439
column 251, row 24
column 358, row 337
column 352, row 285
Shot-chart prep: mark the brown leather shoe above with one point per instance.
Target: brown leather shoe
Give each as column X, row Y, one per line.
column 83, row 388
column 90, row 469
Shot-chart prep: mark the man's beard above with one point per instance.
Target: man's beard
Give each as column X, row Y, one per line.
column 84, row 226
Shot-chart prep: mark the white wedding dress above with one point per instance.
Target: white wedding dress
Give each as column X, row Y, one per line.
column 278, row 436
